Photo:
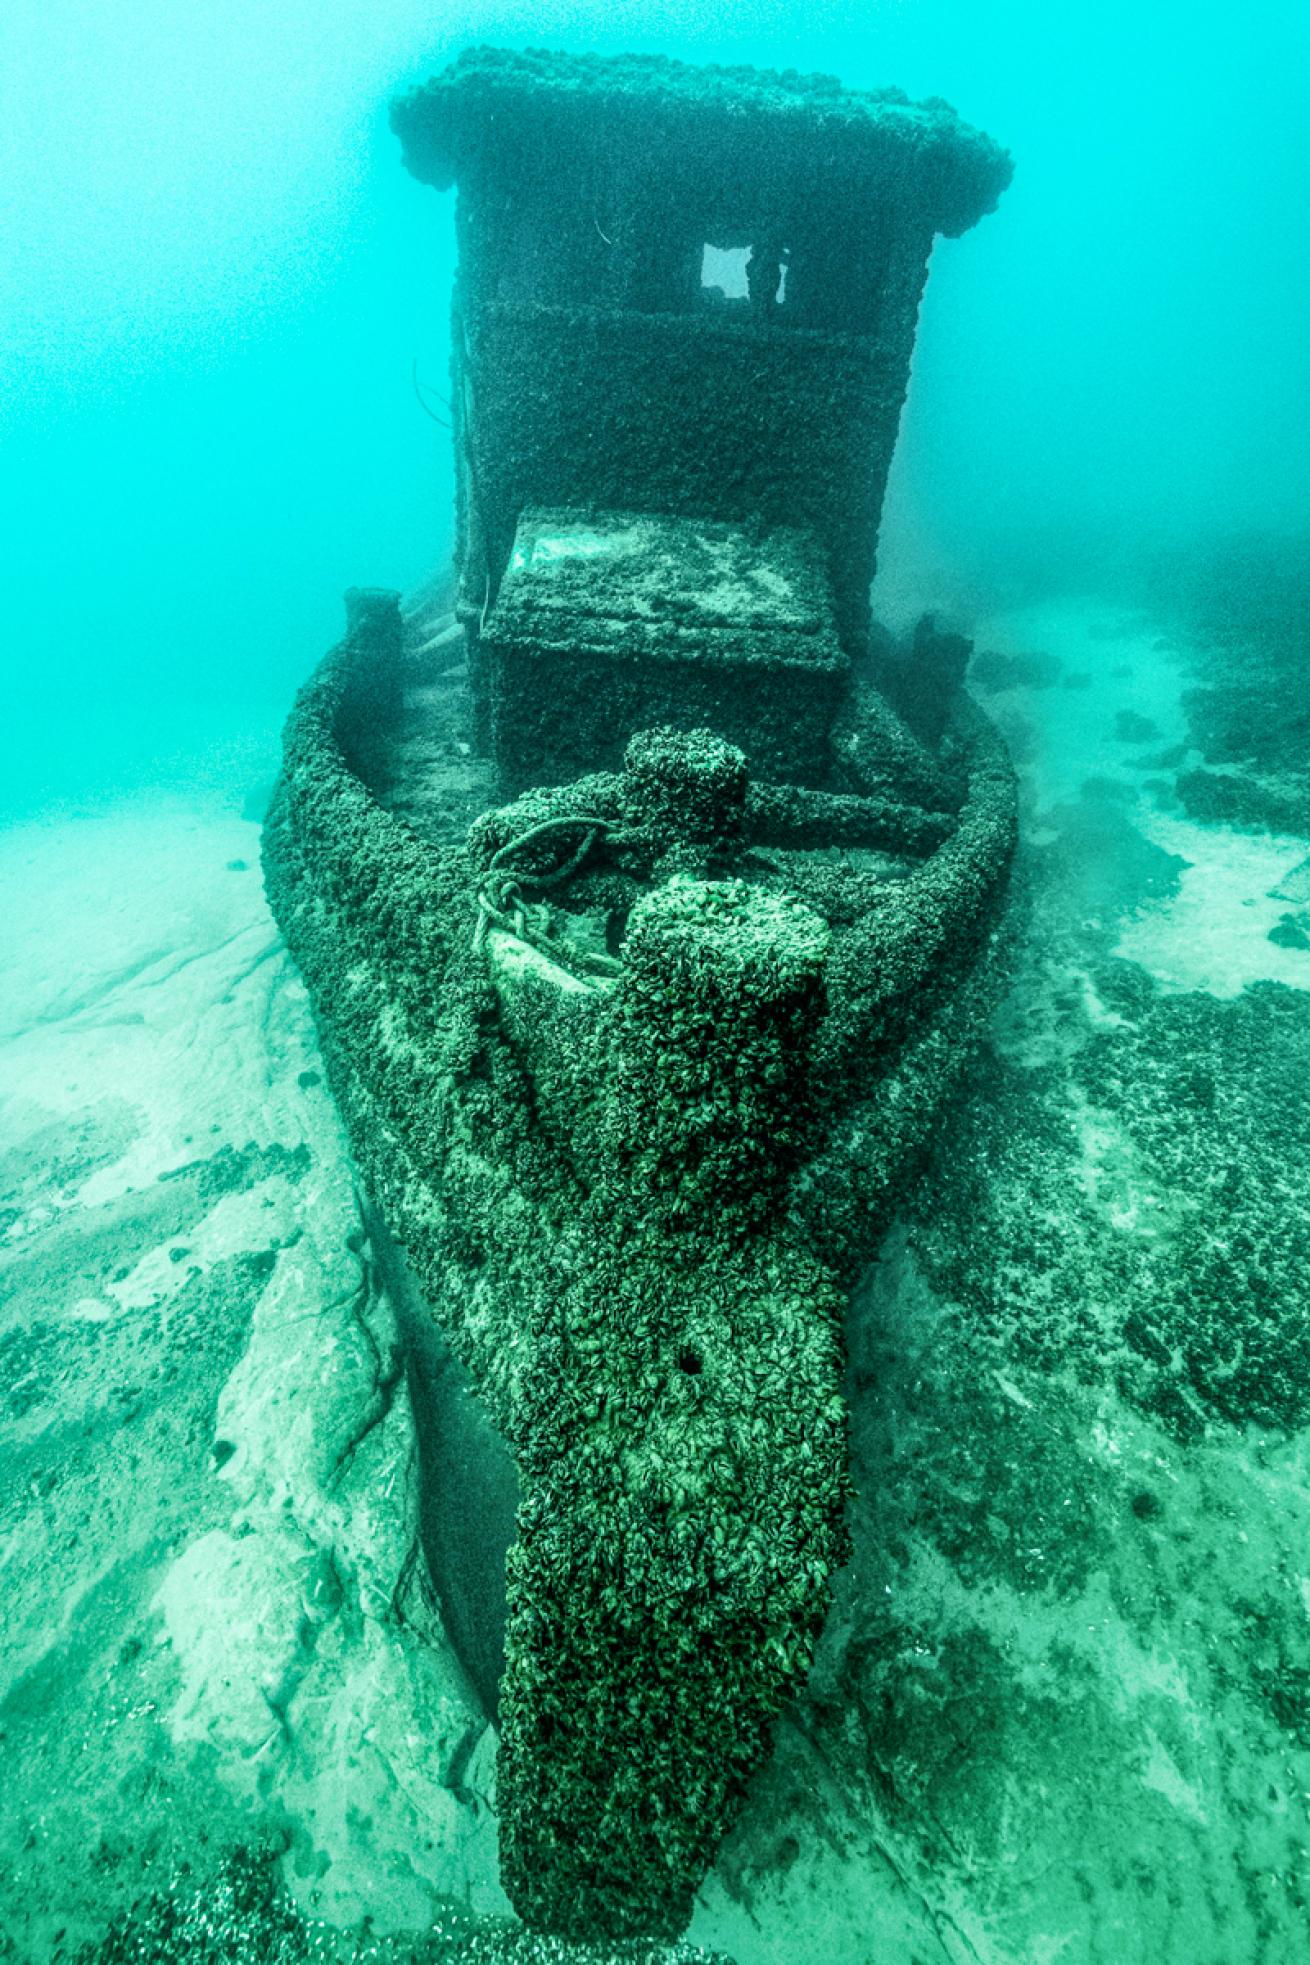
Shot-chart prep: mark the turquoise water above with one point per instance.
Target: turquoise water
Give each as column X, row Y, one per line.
column 1062, row 1710
column 217, row 279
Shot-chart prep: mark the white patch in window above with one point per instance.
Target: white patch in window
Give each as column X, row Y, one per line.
column 726, row 271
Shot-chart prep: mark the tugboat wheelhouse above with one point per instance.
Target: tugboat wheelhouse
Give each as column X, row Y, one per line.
column 650, row 906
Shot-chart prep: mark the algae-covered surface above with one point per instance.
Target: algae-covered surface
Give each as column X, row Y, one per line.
column 1061, row 1709
column 1062, row 1706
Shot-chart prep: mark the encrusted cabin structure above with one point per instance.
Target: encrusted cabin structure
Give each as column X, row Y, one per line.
column 646, row 951
column 689, row 293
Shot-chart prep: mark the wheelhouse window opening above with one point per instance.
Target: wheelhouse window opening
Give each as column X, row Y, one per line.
column 723, row 272
column 755, row 274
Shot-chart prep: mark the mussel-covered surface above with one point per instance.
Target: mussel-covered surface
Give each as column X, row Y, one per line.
column 635, row 1186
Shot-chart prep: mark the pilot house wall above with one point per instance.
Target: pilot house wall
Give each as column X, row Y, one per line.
column 578, row 407
column 603, row 360
column 598, row 366
column 702, row 406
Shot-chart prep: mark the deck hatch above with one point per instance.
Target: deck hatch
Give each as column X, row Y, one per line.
column 611, row 622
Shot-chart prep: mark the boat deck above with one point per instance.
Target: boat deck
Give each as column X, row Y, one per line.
column 427, row 771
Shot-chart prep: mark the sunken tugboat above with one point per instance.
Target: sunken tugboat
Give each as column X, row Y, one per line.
column 649, row 903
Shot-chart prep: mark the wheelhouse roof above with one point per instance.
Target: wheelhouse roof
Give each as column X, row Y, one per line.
column 493, row 104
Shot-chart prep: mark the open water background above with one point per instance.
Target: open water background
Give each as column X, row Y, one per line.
column 215, row 277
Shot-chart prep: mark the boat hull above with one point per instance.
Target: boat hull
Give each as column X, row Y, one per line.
column 650, row 1316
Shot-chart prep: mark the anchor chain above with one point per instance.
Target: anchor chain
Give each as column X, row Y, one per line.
column 503, row 902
